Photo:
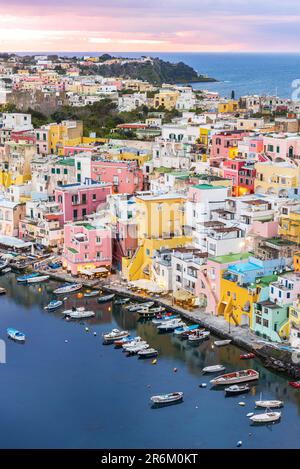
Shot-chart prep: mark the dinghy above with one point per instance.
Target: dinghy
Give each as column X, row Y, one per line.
column 68, row 288
column 78, row 313
column 15, row 335
column 266, row 417
column 221, row 343
column 54, row 304
column 181, row 330
column 236, row 389
column 137, row 348
column 213, row 369
column 169, row 326
column 162, row 319
column 236, row 377
column 198, row 337
column 105, row 298
column 137, row 306
column 25, row 278
column 167, row 399
column 247, row 356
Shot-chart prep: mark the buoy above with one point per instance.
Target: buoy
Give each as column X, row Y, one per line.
column 87, row 329
column 202, row 385
column 239, row 443
column 154, row 361
column 66, row 341
column 148, row 385
column 175, row 370
column 95, row 333
column 242, row 403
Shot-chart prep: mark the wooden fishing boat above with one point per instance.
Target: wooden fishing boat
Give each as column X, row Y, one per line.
column 38, row 279
column 68, row 288
column 167, row 399
column 266, row 417
column 236, row 377
column 198, row 337
column 115, row 334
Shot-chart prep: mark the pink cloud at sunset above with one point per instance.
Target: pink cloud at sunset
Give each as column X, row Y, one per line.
column 165, row 25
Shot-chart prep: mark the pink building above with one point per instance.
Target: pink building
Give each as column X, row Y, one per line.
column 224, row 145
column 265, row 229
column 242, row 174
column 125, row 176
column 86, row 247
column 76, row 201
column 282, row 146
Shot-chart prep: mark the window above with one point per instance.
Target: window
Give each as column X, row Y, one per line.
column 98, row 239
column 148, row 252
column 84, row 212
column 265, row 323
column 258, row 320
column 75, row 214
column 78, row 166
column 65, row 171
column 94, row 197
column 83, row 198
column 288, row 295
column 53, row 170
column 78, row 178
column 57, row 170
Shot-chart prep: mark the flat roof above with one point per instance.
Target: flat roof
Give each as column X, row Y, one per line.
column 228, row 258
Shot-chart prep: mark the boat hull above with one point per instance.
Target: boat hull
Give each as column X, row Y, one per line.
column 243, row 376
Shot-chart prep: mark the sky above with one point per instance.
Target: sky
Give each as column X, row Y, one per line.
column 150, row 25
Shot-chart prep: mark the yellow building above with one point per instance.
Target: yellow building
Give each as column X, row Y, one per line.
column 67, row 133
column 289, row 228
column 15, row 164
column 166, row 99
column 160, row 223
column 276, row 178
column 297, row 262
column 228, row 106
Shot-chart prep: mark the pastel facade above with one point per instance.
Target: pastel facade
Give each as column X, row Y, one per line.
column 10, row 215
column 224, row 146
column 242, row 175
column 125, row 176
column 86, row 247
column 276, row 178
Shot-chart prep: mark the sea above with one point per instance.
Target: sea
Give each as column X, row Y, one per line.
column 63, row 388
column 243, row 73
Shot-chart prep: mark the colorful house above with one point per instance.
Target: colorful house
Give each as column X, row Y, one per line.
column 242, row 174
column 86, row 247
column 276, row 178
column 225, row 146
column 125, row 176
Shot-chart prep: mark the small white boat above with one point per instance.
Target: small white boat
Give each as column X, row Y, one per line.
column 213, row 369
column 78, row 313
column 137, row 348
column 198, row 337
column 236, row 377
column 115, row 334
column 25, row 278
column 166, row 399
column 266, row 417
column 133, row 343
column 169, row 326
column 54, row 304
column 159, row 309
column 38, row 279
column 122, row 301
column 272, row 404
column 162, row 319
column 68, row 288
column 105, row 298
column 148, row 353
column 221, row 343
column 138, row 306
column 91, row 293
column 16, row 335
column 237, row 389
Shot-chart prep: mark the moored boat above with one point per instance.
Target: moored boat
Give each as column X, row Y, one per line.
column 16, row 335
column 125, row 340
column 134, row 343
column 78, row 313
column 169, row 326
column 105, row 298
column 295, row 384
column 115, row 334
column 147, row 353
column 213, row 369
column 167, row 399
column 221, row 343
column 135, row 307
column 236, row 377
column 236, row 389
column 271, row 404
column 25, row 278
column 266, row 417
column 145, row 313
column 91, row 293
column 247, row 356
column 38, row 279
column 122, row 301
column 181, row 330
column 162, row 319
column 68, row 288
column 137, row 348
column 2, row 291
column 54, row 304
column 198, row 336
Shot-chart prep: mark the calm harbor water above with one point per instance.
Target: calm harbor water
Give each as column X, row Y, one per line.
column 82, row 394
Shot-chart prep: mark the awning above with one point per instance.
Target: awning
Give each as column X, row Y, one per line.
column 99, row 270
column 183, row 295
column 145, row 284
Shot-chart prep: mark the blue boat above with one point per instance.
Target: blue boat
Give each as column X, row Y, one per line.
column 24, row 278
column 164, row 318
column 182, row 330
column 54, row 304
column 16, row 335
